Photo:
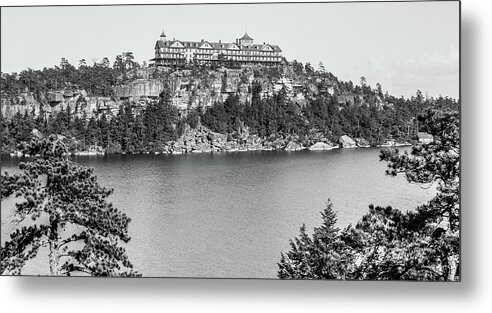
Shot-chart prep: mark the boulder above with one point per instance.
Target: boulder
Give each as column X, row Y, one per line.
column 293, row 146
column 321, row 146
column 277, row 144
column 347, row 142
column 388, row 143
column 203, row 147
column 362, row 143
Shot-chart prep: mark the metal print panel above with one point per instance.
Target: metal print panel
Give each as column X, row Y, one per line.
column 270, row 140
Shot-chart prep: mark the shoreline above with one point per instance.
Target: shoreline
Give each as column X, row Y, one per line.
column 210, row 151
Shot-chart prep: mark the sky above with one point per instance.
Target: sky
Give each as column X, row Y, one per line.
column 404, row 46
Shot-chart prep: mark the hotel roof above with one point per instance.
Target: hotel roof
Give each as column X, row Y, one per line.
column 218, row 45
column 246, row 36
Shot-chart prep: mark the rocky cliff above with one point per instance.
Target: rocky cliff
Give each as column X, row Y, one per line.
column 140, row 88
column 52, row 102
column 189, row 89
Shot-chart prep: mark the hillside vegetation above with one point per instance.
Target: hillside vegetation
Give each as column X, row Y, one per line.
column 131, row 108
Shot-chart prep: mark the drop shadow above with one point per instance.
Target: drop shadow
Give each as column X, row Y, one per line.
column 276, row 289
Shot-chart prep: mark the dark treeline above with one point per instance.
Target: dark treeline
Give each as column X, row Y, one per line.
column 323, row 114
column 128, row 132
column 150, row 129
column 97, row 79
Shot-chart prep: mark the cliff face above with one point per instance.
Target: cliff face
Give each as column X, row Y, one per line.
column 52, row 102
column 21, row 104
column 140, row 88
column 189, row 89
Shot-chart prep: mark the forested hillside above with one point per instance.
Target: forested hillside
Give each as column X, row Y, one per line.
column 111, row 108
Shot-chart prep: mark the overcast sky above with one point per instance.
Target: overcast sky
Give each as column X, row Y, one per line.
column 404, row 46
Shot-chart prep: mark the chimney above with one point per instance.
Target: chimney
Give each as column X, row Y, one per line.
column 202, row 40
column 220, row 41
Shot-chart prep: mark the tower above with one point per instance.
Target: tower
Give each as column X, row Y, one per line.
column 246, row 40
column 163, row 36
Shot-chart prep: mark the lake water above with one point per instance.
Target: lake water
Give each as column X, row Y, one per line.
column 232, row 214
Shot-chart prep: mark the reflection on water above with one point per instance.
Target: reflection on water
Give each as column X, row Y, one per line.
column 231, row 214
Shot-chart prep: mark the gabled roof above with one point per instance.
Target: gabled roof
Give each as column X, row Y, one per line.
column 204, row 43
column 276, row 48
column 180, row 44
column 162, row 44
column 217, row 45
column 232, row 45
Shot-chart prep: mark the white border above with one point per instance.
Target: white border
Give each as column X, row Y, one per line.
column 471, row 295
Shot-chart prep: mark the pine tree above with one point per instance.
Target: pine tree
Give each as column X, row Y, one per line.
column 70, row 216
column 318, row 257
column 387, row 244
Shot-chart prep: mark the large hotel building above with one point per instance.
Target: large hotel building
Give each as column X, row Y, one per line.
column 243, row 52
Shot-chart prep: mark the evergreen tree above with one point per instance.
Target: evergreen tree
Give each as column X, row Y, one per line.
column 387, row 244
column 160, row 119
column 319, row 257
column 104, row 133
column 91, row 134
column 70, row 216
column 5, row 136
